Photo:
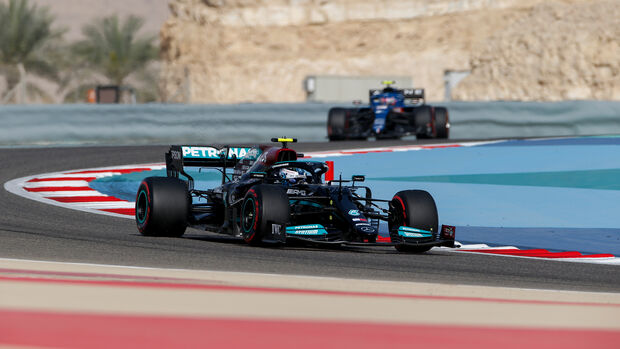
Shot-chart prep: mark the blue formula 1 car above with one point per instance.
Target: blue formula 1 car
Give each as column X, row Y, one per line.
column 272, row 195
column 392, row 113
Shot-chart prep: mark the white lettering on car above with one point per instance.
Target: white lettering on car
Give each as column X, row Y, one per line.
column 212, row 153
column 175, row 155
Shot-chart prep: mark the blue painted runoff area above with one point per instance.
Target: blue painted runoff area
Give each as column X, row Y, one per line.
column 558, row 194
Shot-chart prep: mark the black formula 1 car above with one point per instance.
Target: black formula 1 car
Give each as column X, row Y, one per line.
column 272, row 195
column 391, row 113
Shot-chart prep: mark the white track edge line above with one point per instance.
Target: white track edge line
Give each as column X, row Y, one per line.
column 327, row 278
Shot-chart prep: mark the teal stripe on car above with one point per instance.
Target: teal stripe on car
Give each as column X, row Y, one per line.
column 410, row 232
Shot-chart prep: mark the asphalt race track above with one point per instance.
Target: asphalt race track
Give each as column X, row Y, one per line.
column 33, row 230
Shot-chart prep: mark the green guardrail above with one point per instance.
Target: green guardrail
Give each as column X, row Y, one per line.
column 44, row 125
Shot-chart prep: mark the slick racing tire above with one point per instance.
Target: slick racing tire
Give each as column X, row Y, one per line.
column 442, row 123
column 264, row 211
column 416, row 209
column 423, row 122
column 162, row 206
column 336, row 124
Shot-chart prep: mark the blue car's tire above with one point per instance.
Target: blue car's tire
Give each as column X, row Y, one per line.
column 337, row 124
column 162, row 207
column 442, row 123
column 416, row 209
column 423, row 121
column 264, row 206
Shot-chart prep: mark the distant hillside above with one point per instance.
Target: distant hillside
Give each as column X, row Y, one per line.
column 555, row 52
column 73, row 14
column 229, row 51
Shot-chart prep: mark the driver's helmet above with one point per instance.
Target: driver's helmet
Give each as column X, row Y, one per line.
column 294, row 176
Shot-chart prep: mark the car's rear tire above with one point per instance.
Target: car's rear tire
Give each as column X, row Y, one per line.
column 264, row 206
column 416, row 209
column 337, row 124
column 162, row 206
column 442, row 123
column 423, row 121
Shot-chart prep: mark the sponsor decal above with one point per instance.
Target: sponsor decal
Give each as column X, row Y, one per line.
column 306, row 232
column 276, row 229
column 359, row 220
column 447, row 232
column 310, row 229
column 357, row 224
column 296, row 192
column 309, row 226
column 367, row 229
column 413, row 92
column 200, row 152
column 237, row 152
column 258, row 175
column 212, row 153
column 354, row 212
column 175, row 155
column 252, row 154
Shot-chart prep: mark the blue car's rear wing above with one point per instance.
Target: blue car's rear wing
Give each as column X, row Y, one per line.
column 414, row 93
column 181, row 156
column 407, row 93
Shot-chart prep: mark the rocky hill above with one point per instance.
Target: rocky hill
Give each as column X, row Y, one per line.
column 261, row 50
column 554, row 52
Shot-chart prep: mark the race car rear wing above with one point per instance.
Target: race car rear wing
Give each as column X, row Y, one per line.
column 413, row 93
column 181, row 156
column 408, row 93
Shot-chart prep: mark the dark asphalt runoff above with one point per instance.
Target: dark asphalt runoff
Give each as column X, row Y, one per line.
column 33, row 230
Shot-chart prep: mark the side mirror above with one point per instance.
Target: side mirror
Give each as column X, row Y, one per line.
column 358, row 178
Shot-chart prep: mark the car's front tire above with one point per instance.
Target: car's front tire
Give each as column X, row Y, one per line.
column 415, row 209
column 264, row 212
column 162, row 206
